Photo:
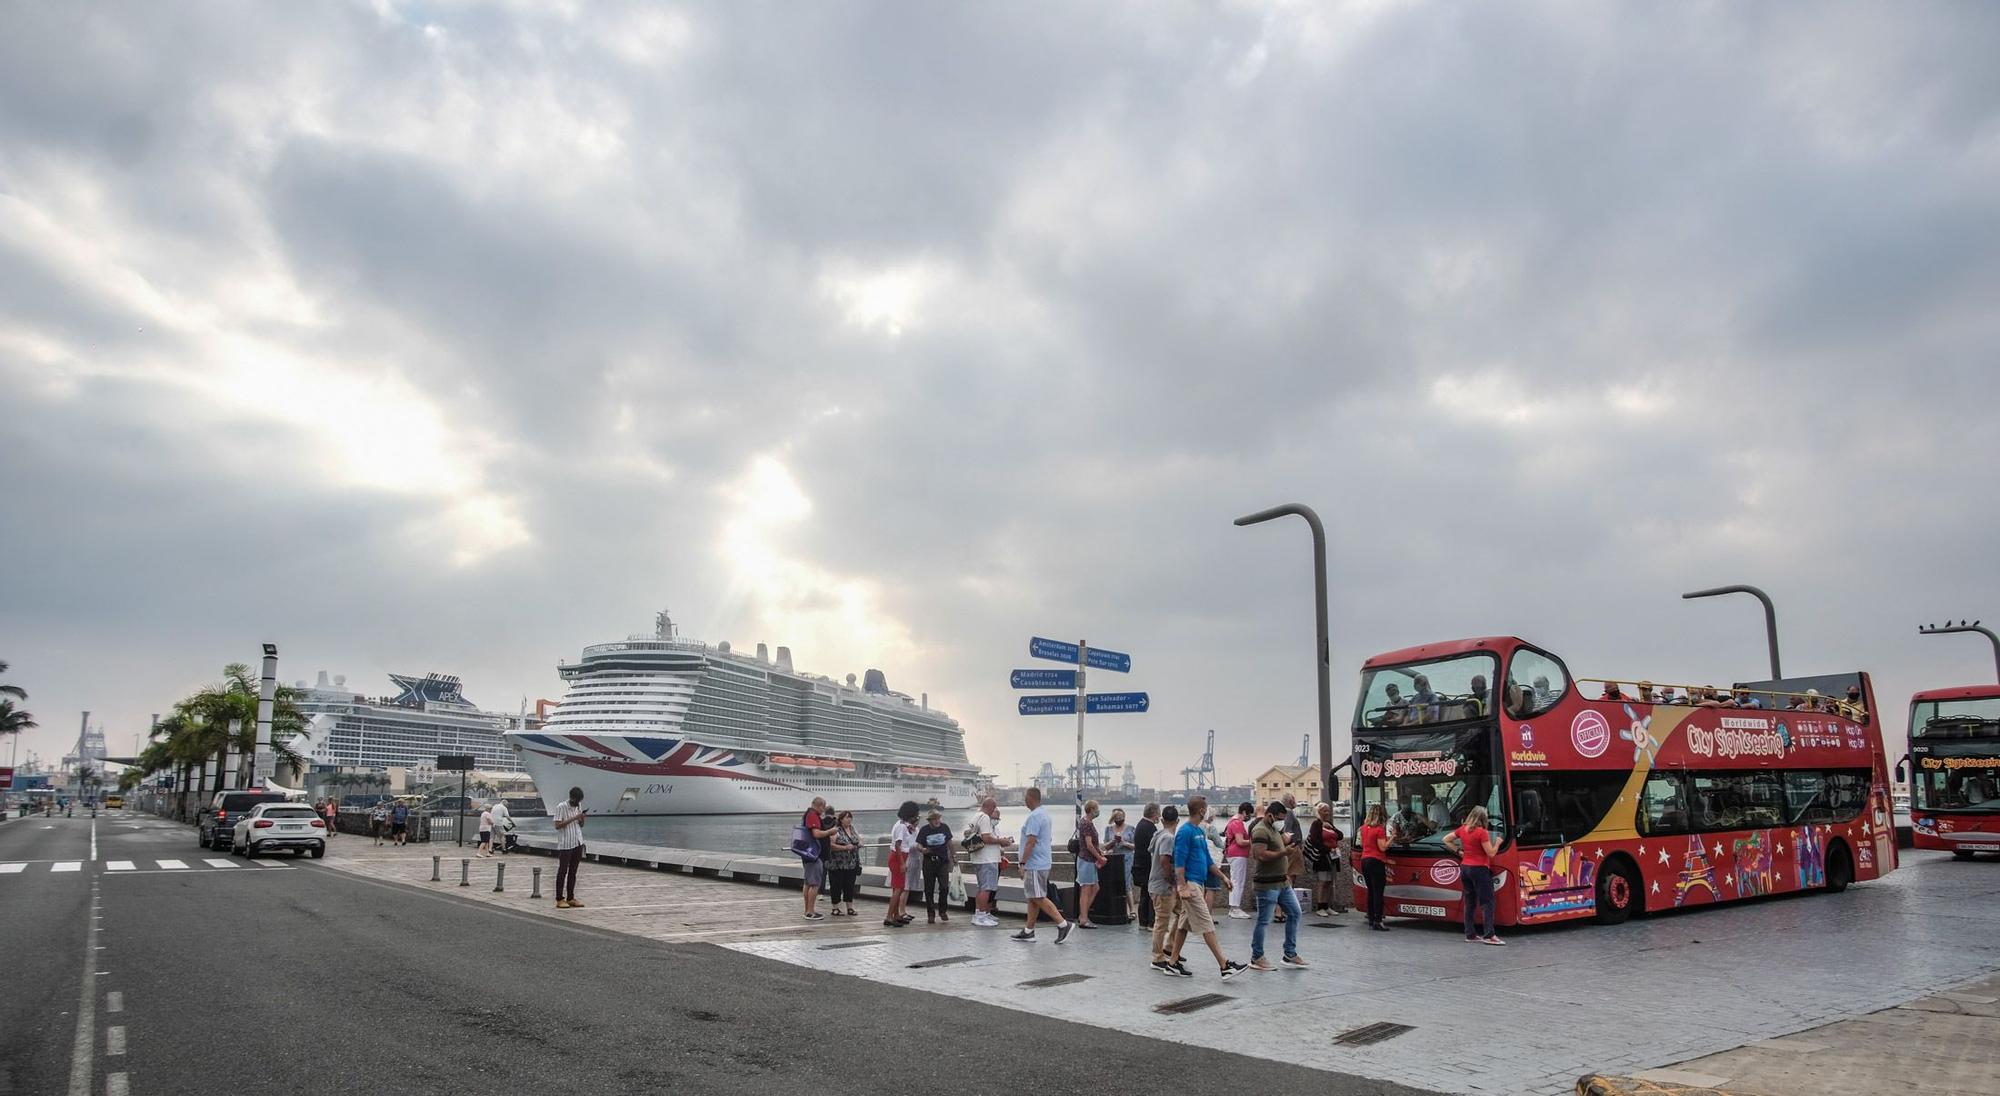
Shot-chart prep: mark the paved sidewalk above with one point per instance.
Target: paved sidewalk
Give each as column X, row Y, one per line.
column 1557, row 1004
column 668, row 906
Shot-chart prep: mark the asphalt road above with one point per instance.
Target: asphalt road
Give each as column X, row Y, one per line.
column 295, row 978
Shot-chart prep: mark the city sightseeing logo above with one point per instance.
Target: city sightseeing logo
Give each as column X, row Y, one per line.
column 1590, row 734
column 1428, row 764
column 1528, row 756
column 1738, row 736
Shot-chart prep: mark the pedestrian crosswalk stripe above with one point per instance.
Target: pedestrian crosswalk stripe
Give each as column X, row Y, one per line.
column 67, row 865
column 220, row 863
column 170, row 864
column 119, row 865
column 12, row 869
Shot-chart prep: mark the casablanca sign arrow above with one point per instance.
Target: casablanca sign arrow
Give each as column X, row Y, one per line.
column 1056, row 650
column 1043, row 679
column 1116, row 702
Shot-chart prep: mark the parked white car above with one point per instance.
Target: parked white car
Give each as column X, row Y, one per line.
column 273, row 826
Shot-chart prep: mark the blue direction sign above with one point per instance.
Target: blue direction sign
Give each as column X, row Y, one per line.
column 1043, row 679
column 1056, row 650
column 1048, row 705
column 1116, row 702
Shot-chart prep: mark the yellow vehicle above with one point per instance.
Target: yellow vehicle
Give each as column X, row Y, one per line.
column 114, row 800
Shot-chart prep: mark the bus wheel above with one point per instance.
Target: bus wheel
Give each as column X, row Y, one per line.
column 1839, row 869
column 1617, row 894
column 1961, row 854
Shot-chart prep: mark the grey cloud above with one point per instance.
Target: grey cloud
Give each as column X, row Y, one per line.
column 1182, row 279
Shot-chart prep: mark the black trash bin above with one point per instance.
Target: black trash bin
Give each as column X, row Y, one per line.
column 1114, row 882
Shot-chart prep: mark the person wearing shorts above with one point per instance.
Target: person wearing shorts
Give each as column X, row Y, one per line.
column 1193, row 867
column 399, row 822
column 1160, row 888
column 993, row 846
column 1037, row 858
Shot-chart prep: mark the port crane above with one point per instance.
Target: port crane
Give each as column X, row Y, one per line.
column 1305, row 751
column 1201, row 775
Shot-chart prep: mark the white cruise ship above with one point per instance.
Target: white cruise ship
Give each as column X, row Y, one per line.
column 662, row 725
column 427, row 717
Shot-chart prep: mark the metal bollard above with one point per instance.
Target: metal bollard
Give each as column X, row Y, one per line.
column 499, row 878
column 465, row 873
column 435, row 878
column 538, row 882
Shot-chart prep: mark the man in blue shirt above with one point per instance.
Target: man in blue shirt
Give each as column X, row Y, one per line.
column 1036, row 861
column 1192, row 865
column 399, row 821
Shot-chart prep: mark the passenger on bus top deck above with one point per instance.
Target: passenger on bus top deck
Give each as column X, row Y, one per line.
column 1479, row 693
column 1610, row 691
column 1392, row 709
column 1795, row 704
column 1545, row 697
column 1423, row 702
column 1667, row 696
column 1646, row 693
column 1744, row 699
column 1813, row 703
column 1855, row 711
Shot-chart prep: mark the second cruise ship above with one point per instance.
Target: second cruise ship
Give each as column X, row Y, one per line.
column 663, row 725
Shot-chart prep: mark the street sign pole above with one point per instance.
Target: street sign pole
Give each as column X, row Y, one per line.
column 1076, row 868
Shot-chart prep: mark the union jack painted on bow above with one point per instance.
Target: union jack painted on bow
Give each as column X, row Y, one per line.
column 645, row 756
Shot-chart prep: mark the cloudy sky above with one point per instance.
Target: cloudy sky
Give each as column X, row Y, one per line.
column 438, row 336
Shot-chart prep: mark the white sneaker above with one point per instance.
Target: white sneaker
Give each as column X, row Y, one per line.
column 1239, row 915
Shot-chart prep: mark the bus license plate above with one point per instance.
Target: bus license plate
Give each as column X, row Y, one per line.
column 1420, row 911
column 1968, row 846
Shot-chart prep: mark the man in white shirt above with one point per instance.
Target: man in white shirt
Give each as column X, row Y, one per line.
column 503, row 824
column 569, row 818
column 986, row 860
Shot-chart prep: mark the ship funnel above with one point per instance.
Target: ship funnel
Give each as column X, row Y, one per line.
column 927, row 701
column 874, row 682
column 322, row 680
column 785, row 659
column 763, row 653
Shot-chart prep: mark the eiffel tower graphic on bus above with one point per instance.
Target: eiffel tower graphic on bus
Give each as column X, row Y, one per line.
column 1696, row 871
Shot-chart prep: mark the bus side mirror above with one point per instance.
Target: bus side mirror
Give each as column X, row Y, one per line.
column 1902, row 770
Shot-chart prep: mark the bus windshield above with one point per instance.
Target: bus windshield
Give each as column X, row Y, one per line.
column 1428, row 781
column 1446, row 690
column 1957, row 776
column 1974, row 717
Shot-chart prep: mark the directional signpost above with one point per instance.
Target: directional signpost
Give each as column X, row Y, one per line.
column 1079, row 703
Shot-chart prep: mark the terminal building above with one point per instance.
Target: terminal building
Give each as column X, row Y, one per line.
column 428, row 716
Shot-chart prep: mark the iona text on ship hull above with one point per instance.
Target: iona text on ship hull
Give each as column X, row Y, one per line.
column 666, row 725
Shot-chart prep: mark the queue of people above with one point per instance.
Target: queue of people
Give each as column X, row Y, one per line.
column 1850, row 706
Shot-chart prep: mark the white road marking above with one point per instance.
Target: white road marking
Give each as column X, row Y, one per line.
column 67, row 865
column 81, row 1065
column 114, row 1040
column 115, row 1085
column 12, row 869
column 93, row 839
column 120, row 865
column 114, row 1001
column 220, row 863
column 170, row 865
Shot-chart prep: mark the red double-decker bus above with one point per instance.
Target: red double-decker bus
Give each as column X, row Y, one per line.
column 1954, row 772
column 1615, row 797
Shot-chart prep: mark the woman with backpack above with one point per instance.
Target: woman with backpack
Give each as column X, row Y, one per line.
column 1323, row 840
column 843, row 865
column 1475, row 847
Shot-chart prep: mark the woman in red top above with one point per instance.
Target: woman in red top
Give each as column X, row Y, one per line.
column 1375, row 862
column 1475, row 847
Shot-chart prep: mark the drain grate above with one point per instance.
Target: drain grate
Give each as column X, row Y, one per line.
column 1372, row 1033
column 1192, row 1004
column 852, row 944
column 1058, row 980
column 944, row 962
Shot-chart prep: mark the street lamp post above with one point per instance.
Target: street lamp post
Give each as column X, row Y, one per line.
column 1770, row 617
column 1948, row 628
column 1325, row 654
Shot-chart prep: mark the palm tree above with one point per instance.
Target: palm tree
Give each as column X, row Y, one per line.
column 14, row 720
column 14, row 691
